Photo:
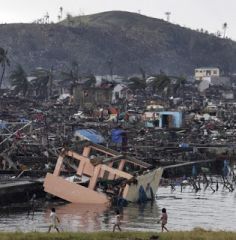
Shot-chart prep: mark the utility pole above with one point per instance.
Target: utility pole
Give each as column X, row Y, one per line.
column 167, row 16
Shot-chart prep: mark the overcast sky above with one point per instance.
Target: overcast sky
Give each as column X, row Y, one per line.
column 207, row 14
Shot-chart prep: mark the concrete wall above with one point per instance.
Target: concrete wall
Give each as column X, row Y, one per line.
column 220, row 81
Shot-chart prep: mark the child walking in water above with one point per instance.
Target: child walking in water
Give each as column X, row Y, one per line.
column 54, row 220
column 163, row 220
column 117, row 221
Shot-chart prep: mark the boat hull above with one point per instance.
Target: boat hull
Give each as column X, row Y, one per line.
column 72, row 192
column 153, row 178
column 77, row 193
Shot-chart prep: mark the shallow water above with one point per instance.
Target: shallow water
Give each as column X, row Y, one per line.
column 186, row 211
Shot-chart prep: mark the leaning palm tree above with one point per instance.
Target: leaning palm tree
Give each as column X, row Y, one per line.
column 40, row 83
column 4, row 61
column 160, row 83
column 167, row 85
column 137, row 84
column 19, row 80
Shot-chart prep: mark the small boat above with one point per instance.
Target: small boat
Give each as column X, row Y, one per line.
column 99, row 175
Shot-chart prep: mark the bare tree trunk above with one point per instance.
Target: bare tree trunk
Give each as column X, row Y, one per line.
column 50, row 82
column 3, row 72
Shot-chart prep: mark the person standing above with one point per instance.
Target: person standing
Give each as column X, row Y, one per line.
column 54, row 220
column 117, row 221
column 163, row 220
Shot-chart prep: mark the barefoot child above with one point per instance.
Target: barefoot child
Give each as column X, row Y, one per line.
column 117, row 221
column 54, row 220
column 163, row 220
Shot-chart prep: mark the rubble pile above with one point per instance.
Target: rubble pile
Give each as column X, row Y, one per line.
column 160, row 129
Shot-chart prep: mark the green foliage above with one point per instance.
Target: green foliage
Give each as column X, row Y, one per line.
column 137, row 83
column 160, row 83
column 198, row 234
column 166, row 85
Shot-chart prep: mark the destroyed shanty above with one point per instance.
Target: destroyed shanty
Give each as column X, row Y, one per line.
column 86, row 147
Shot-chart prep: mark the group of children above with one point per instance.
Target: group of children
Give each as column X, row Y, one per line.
column 55, row 221
column 163, row 220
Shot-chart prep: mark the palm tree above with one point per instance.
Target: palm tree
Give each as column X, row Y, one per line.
column 166, row 85
column 160, row 83
column 46, row 18
column 137, row 84
column 70, row 19
column 178, row 84
column 61, row 11
column 90, row 80
column 19, row 80
column 4, row 61
column 40, row 83
column 225, row 26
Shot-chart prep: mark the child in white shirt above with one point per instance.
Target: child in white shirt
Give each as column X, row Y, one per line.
column 117, row 221
column 54, row 220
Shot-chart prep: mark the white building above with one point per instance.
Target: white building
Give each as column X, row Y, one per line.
column 201, row 73
column 120, row 91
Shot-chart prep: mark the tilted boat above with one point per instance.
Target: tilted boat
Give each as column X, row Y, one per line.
column 100, row 175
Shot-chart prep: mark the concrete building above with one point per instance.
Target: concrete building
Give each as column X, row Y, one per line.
column 201, row 73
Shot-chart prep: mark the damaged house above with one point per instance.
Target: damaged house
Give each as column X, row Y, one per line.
column 87, row 96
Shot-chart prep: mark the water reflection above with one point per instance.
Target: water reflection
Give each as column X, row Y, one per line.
column 75, row 217
column 186, row 210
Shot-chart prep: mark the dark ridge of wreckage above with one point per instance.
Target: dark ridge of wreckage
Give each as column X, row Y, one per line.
column 33, row 133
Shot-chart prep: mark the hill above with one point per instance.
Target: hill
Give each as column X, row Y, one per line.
column 123, row 41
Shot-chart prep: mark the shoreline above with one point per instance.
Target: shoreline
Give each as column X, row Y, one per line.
column 198, row 234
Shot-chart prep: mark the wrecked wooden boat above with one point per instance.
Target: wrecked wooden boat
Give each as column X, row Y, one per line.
column 101, row 174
